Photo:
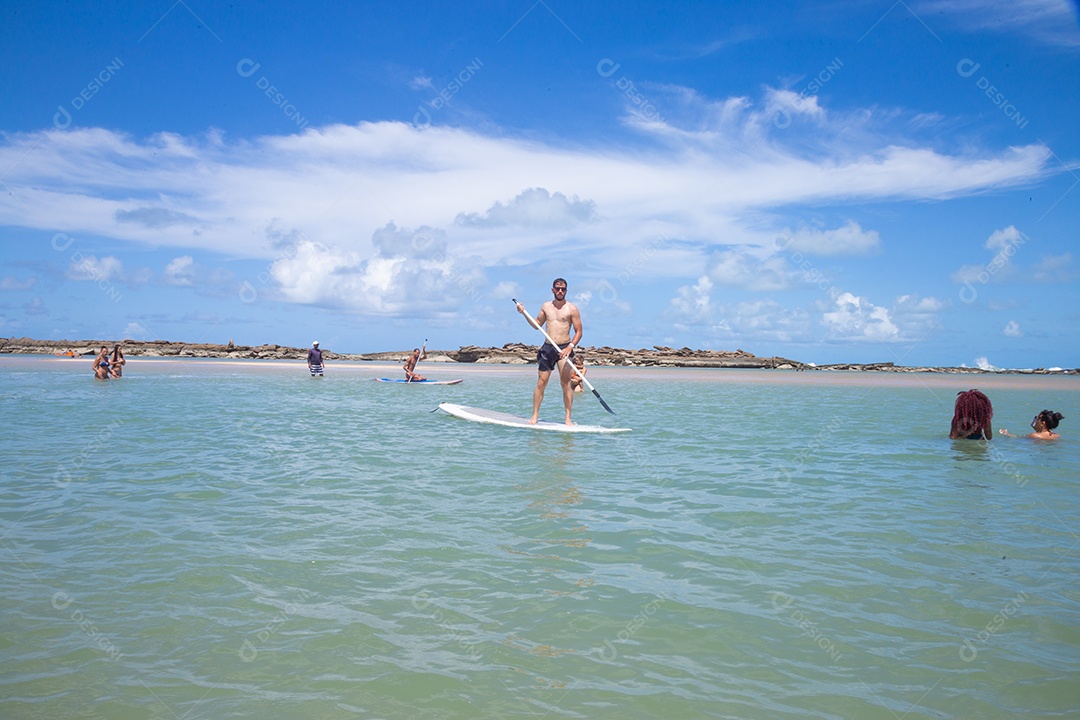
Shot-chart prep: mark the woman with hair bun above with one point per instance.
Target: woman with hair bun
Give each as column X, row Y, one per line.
column 1043, row 424
column 971, row 416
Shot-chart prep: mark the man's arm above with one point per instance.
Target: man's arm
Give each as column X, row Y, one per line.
column 540, row 319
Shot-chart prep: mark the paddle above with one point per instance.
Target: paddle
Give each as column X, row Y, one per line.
column 532, row 321
column 422, row 349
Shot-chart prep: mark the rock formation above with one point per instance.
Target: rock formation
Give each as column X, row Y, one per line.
column 509, row 354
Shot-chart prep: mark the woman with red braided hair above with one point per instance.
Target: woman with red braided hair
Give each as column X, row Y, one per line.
column 971, row 416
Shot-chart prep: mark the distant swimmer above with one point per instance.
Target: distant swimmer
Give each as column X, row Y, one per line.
column 315, row 360
column 117, row 363
column 1043, row 424
column 101, row 364
column 562, row 318
column 971, row 416
column 417, row 355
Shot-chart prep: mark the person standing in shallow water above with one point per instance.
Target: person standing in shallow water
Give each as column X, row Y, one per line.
column 971, row 416
column 561, row 317
column 101, row 364
column 118, row 361
column 315, row 360
column 1043, row 425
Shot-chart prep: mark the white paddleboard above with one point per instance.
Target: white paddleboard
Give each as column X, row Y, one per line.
column 493, row 417
column 419, row 382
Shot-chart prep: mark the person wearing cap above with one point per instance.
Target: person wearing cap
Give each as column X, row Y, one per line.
column 314, row 360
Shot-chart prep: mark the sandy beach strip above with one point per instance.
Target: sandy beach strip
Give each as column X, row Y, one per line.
column 448, row 371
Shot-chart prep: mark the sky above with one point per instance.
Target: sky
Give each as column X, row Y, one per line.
column 850, row 181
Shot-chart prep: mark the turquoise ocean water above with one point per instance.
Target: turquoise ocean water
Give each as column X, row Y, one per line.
column 217, row 539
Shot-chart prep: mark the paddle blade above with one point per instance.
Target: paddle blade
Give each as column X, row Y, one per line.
column 602, row 401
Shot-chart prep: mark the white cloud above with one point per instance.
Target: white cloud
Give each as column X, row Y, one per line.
column 845, row 318
column 504, row 290
column 1054, row 269
column 1053, row 22
column 386, row 284
column 1005, row 238
column 764, row 321
column 849, row 239
column 855, row 318
column 1012, row 329
column 35, row 307
column 10, row 283
column 421, row 82
column 391, row 241
column 89, row 267
column 756, row 320
column 535, row 207
column 741, row 269
column 180, row 271
column 344, row 192
column 693, row 303
column 135, row 331
column 1005, row 243
column 338, row 180
column 155, row 217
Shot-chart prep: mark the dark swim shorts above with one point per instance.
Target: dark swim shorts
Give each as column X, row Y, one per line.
column 547, row 357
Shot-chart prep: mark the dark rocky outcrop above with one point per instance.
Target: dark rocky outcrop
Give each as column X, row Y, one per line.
column 509, row 354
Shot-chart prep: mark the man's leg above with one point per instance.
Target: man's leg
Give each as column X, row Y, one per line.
column 538, row 394
column 565, row 373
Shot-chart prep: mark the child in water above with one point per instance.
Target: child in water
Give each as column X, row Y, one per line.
column 576, row 382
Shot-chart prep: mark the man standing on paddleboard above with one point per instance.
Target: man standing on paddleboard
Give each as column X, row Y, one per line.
column 561, row 316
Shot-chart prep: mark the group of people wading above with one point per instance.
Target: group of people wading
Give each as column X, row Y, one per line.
column 106, row 366
column 973, row 412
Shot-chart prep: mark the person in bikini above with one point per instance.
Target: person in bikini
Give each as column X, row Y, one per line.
column 101, row 364
column 118, row 362
column 563, row 320
column 1043, row 424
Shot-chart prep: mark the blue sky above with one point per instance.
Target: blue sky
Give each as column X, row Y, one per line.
column 824, row 181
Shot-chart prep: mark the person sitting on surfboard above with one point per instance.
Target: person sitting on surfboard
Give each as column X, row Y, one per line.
column 410, row 365
column 314, row 360
column 560, row 317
